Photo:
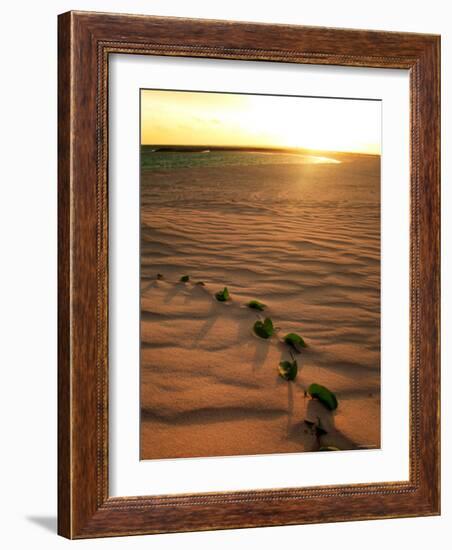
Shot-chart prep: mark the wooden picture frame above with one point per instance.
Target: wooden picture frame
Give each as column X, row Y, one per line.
column 85, row 42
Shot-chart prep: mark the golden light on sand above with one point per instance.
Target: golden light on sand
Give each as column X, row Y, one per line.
column 198, row 118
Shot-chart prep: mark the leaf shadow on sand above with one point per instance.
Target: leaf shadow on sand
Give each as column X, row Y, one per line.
column 148, row 286
column 261, row 346
column 176, row 289
column 287, row 356
column 260, row 353
column 244, row 323
column 289, row 406
column 215, row 312
column 316, row 411
column 212, row 317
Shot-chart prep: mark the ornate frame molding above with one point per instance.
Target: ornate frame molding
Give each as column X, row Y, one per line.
column 85, row 42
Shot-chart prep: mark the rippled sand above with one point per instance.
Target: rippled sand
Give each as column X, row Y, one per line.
column 303, row 239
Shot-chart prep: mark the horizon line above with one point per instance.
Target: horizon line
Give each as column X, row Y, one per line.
column 255, row 147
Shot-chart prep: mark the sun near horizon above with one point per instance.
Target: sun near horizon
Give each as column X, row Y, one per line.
column 240, row 120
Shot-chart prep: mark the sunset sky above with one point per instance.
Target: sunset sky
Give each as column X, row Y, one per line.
column 199, row 118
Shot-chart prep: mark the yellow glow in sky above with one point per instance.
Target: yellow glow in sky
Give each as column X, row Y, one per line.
column 201, row 118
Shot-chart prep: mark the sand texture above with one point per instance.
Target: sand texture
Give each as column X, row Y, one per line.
column 305, row 240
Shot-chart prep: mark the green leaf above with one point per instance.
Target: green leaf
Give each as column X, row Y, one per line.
column 255, row 304
column 295, row 340
column 288, row 370
column 264, row 329
column 184, row 278
column 268, row 324
column 223, row 295
column 329, row 448
column 324, row 395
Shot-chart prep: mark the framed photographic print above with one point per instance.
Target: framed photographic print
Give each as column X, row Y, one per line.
column 248, row 275
column 259, row 272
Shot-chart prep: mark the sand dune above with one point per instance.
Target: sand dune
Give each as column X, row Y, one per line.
column 302, row 239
